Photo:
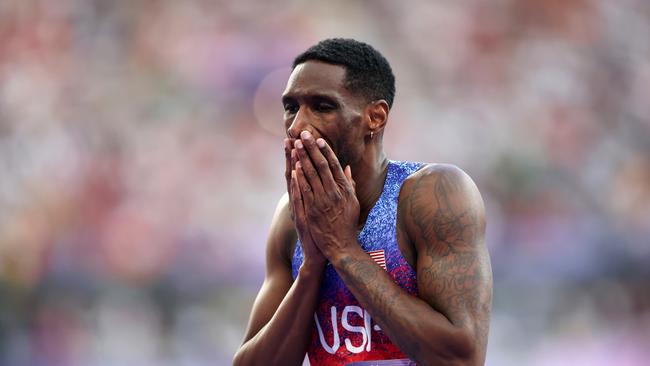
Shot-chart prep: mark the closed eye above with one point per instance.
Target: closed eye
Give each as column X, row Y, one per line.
column 290, row 107
column 324, row 104
column 324, row 107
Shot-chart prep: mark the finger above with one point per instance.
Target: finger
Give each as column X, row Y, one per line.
column 308, row 169
column 306, row 190
column 297, row 202
column 319, row 161
column 287, row 164
column 289, row 154
column 335, row 166
column 294, row 158
column 348, row 175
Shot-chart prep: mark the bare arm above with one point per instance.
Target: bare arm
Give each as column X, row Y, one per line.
column 448, row 323
column 280, row 323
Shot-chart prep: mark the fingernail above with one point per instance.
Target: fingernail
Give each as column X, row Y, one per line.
column 298, row 165
column 298, row 144
column 293, row 153
column 305, row 134
column 320, row 143
column 293, row 174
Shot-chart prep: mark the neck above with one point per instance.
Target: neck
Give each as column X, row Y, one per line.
column 369, row 174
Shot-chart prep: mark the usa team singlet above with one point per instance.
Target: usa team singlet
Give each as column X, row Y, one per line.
column 343, row 332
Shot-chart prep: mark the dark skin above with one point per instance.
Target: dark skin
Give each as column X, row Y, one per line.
column 335, row 173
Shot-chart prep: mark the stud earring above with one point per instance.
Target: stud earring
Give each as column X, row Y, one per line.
column 371, row 134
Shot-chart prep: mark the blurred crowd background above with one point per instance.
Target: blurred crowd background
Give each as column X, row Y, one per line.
column 141, row 160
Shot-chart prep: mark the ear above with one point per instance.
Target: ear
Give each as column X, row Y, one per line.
column 378, row 115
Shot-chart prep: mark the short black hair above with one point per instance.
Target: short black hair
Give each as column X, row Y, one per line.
column 368, row 73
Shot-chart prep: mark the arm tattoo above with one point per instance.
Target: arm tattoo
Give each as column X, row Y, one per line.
column 367, row 273
column 454, row 273
column 385, row 297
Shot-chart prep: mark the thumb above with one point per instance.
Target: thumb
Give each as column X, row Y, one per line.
column 348, row 174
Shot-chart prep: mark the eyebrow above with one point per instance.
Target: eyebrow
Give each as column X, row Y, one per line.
column 287, row 98
column 290, row 97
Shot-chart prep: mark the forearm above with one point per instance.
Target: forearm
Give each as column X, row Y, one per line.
column 424, row 334
column 284, row 339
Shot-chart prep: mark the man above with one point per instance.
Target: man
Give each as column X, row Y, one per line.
column 367, row 259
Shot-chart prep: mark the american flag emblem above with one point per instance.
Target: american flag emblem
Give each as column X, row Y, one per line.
column 379, row 257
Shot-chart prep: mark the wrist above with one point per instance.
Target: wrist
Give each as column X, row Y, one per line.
column 352, row 249
column 312, row 268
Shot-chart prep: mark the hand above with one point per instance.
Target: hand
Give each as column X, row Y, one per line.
column 312, row 255
column 331, row 208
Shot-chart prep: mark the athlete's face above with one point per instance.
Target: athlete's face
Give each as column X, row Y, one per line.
column 316, row 100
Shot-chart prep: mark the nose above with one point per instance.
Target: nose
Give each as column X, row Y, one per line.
column 301, row 121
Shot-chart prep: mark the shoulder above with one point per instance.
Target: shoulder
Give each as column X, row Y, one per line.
column 441, row 176
column 282, row 234
column 439, row 197
column 440, row 180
